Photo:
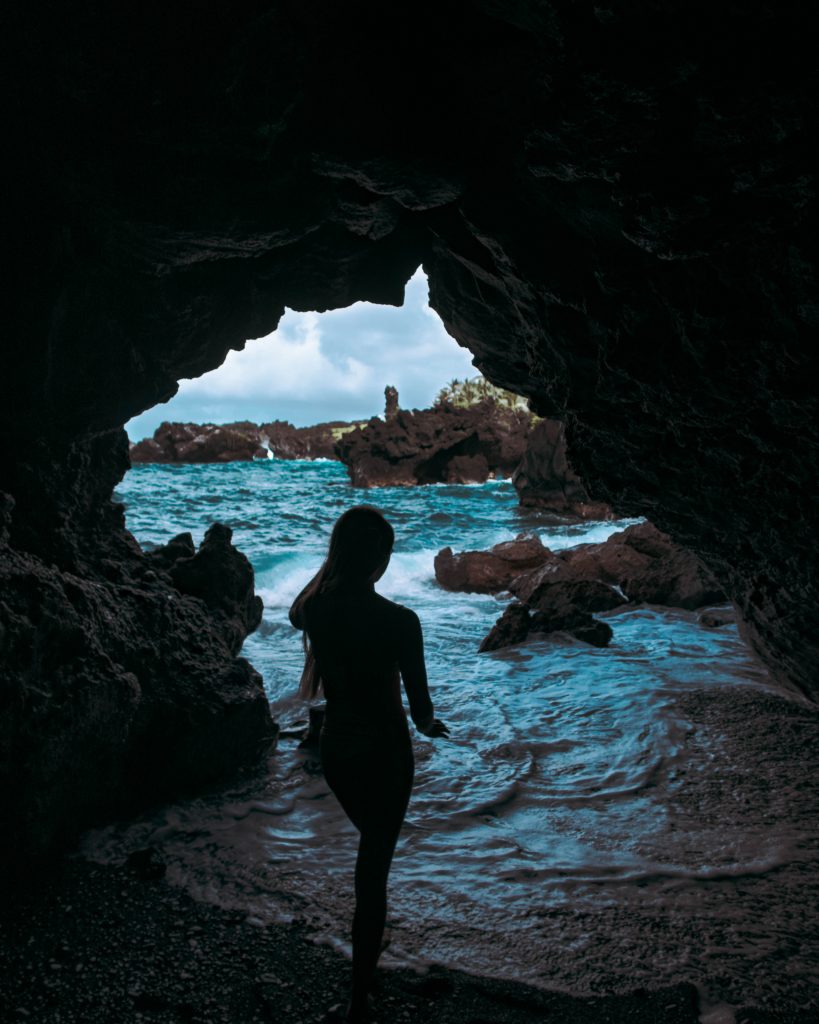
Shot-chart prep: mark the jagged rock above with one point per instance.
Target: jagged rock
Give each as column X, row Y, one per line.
column 639, row 564
column 544, row 479
column 222, row 577
column 390, row 402
column 444, row 443
column 490, row 571
column 201, row 442
column 116, row 691
column 648, row 566
column 239, row 442
column 317, row 442
column 166, row 555
column 511, row 628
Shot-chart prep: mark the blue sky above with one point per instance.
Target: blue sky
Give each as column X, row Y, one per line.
column 324, row 366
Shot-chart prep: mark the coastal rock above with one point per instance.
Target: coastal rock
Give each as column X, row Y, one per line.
column 239, row 442
column 639, row 564
column 316, row 442
column 437, row 445
column 488, row 572
column 221, row 576
column 119, row 689
column 545, row 480
column 511, row 628
column 648, row 567
column 201, row 442
column 467, row 469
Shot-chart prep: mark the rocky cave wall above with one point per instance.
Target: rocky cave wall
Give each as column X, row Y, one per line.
column 615, row 206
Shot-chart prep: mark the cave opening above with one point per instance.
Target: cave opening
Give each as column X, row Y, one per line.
column 568, row 758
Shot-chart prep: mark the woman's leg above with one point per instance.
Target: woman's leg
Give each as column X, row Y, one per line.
column 374, row 792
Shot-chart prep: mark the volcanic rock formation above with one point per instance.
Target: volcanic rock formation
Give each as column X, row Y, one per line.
column 615, row 206
column 544, row 479
column 238, row 442
column 439, row 445
column 562, row 589
column 121, row 680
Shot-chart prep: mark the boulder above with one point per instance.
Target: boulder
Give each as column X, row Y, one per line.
column 446, row 443
column 201, row 442
column 489, row 572
column 545, row 480
column 649, row 567
column 221, row 576
column 639, row 564
column 511, row 628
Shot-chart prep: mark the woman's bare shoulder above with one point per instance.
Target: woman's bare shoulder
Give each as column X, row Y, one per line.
column 403, row 617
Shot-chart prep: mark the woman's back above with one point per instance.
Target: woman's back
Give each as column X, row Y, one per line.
column 363, row 644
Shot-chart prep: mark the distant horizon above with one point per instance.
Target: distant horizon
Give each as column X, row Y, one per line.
column 319, row 367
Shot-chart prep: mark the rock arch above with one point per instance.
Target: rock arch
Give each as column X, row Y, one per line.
column 616, row 211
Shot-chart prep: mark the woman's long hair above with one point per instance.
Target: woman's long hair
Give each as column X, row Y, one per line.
column 361, row 541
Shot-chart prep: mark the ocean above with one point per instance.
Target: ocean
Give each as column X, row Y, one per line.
column 600, row 820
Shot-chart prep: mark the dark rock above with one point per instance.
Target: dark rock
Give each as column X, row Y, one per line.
column 441, row 444
column 648, row 566
column 488, row 572
column 201, row 442
column 118, row 690
column 239, row 442
column 390, row 402
column 165, row 556
column 467, row 469
column 222, row 577
column 560, row 602
column 638, row 564
column 317, row 442
column 544, row 479
column 594, row 632
column 511, row 628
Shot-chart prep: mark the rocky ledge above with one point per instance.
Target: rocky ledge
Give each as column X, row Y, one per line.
column 122, row 683
column 447, row 444
column 562, row 590
column 239, row 442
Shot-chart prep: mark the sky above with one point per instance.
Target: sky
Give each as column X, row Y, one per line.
column 324, row 366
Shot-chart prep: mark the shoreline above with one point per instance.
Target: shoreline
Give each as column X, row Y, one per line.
column 95, row 944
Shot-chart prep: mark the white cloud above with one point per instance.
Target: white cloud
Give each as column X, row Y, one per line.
column 325, row 366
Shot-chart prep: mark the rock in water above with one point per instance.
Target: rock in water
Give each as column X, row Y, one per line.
column 511, row 628
column 544, row 479
column 639, row 564
column 437, row 445
column 488, row 572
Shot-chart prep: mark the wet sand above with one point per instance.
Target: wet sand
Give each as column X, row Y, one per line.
column 93, row 944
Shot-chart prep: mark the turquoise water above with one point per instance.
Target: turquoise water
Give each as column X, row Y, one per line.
column 599, row 820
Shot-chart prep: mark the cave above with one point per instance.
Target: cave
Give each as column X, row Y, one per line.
column 615, row 208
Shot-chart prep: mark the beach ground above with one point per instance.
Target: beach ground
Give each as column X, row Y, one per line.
column 95, row 944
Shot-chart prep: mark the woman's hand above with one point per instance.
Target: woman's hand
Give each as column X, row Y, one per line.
column 437, row 730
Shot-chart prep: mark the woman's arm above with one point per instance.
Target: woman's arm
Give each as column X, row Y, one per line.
column 414, row 675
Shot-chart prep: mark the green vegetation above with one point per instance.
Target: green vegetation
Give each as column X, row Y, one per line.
column 465, row 393
column 339, row 432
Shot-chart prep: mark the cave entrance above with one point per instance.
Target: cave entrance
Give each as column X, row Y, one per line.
column 564, row 756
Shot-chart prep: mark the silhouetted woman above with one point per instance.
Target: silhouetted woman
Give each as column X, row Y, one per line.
column 358, row 645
